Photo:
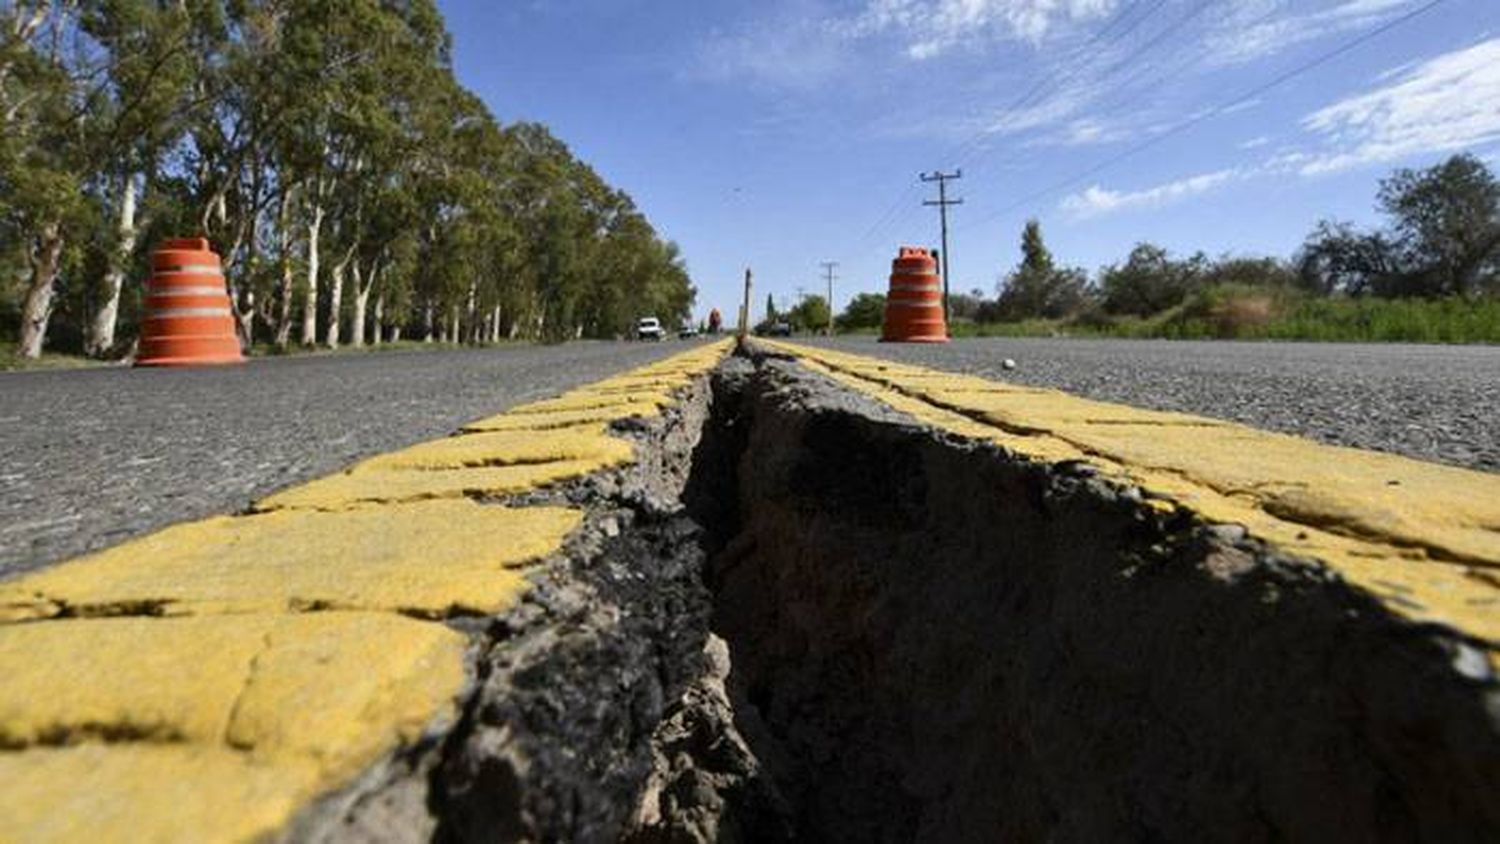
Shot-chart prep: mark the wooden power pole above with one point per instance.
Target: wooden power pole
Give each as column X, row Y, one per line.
column 942, row 203
column 745, row 307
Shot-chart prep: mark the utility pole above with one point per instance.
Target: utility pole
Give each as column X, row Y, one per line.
column 745, row 308
column 942, row 203
column 828, row 268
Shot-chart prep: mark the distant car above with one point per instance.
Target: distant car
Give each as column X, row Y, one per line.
column 649, row 328
column 781, row 328
column 687, row 332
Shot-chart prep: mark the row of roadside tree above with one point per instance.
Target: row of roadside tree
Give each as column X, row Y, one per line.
column 354, row 189
column 1433, row 272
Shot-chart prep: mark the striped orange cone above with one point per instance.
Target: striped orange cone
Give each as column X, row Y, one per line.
column 914, row 306
column 189, row 321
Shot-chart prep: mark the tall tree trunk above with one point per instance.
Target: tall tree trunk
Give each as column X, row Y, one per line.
column 310, row 287
column 238, row 259
column 395, row 334
column 471, row 307
column 335, row 305
column 101, row 334
column 495, row 325
column 378, row 326
column 336, row 302
column 453, row 334
column 361, row 300
column 427, row 322
column 283, row 312
column 46, row 261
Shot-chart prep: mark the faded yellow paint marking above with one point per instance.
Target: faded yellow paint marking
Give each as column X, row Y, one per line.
column 328, row 690
column 507, row 448
column 562, row 418
column 1422, row 538
column 159, row 793
column 235, row 708
column 428, row 557
column 589, row 400
column 362, row 485
column 217, row 726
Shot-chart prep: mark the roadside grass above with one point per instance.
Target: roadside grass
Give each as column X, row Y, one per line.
column 1238, row 313
column 11, row 360
column 269, row 350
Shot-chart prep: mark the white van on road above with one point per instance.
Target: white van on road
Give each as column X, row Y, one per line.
column 649, row 328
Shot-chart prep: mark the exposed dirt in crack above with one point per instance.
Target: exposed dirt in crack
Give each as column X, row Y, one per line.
column 803, row 616
column 577, row 690
column 932, row 639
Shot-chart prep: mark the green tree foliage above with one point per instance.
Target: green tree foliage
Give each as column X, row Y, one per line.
column 965, row 306
column 811, row 314
column 1262, row 272
column 1443, row 238
column 45, row 139
column 1039, row 288
column 864, row 311
column 353, row 188
column 1150, row 281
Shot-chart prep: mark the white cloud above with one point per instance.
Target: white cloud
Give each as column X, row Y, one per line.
column 1255, row 143
column 935, row 26
column 1086, row 131
column 1082, row 132
column 1448, row 103
column 1244, row 105
column 802, row 44
column 1049, row 112
column 1096, row 201
column 789, row 49
column 1253, row 29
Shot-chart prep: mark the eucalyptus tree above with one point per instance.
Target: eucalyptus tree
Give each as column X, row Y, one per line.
column 145, row 64
column 311, row 141
column 43, row 160
column 356, row 66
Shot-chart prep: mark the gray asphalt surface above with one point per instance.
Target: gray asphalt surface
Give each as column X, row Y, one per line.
column 1439, row 403
column 90, row 457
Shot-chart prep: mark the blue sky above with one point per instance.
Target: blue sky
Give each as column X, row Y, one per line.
column 782, row 133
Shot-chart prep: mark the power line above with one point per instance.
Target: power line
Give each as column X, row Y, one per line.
column 899, row 210
column 1164, row 34
column 1043, row 85
column 1204, row 116
column 942, row 203
column 1112, row 104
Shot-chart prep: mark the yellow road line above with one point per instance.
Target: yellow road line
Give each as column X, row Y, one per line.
column 179, row 687
column 1422, row 538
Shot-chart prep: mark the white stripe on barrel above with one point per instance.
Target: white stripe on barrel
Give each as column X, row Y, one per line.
column 212, row 269
column 168, row 313
column 186, row 291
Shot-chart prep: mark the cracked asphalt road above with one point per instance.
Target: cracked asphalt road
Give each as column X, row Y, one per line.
column 1439, row 403
column 91, row 457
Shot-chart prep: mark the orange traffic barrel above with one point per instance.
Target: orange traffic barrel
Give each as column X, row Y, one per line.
column 188, row 320
column 914, row 306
